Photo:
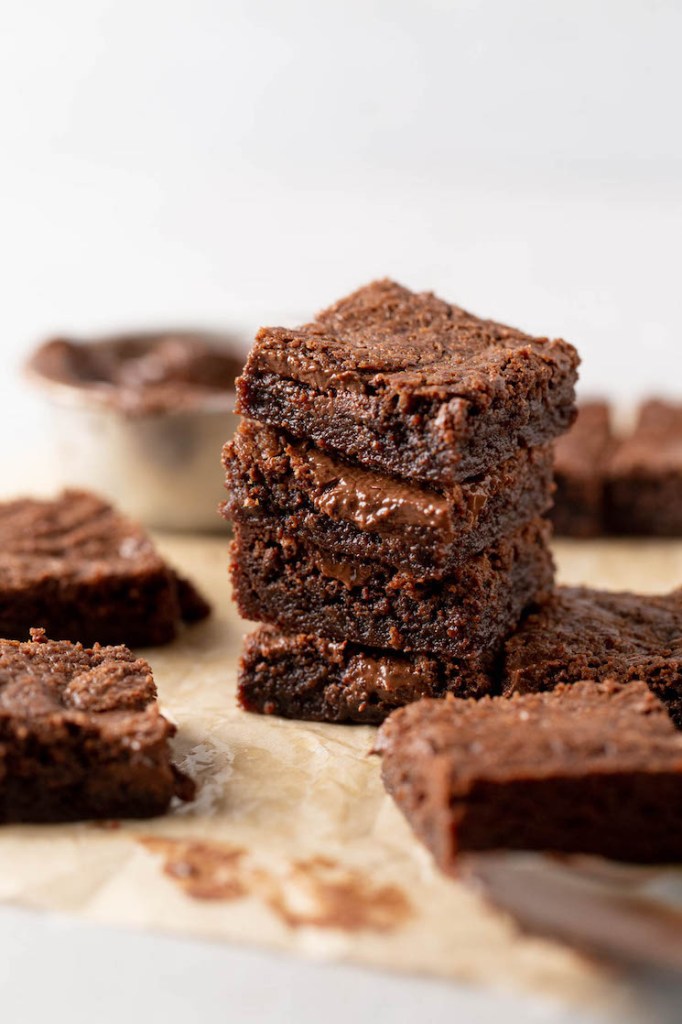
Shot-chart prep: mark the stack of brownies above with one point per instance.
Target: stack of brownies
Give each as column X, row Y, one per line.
column 387, row 488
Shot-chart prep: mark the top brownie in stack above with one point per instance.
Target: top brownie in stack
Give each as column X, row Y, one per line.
column 410, row 385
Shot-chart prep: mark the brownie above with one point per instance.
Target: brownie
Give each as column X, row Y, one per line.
column 581, row 460
column 359, row 513
column 76, row 567
column 305, row 589
column 320, row 680
column 410, row 385
column 81, row 734
column 644, row 491
column 593, row 768
column 580, row 633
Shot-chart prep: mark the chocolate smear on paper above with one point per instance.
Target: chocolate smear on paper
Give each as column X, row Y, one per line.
column 316, row 892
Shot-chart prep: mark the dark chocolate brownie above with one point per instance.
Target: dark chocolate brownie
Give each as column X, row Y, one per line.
column 305, row 589
column 321, row 680
column 644, row 493
column 76, row 567
column 592, row 768
column 410, row 385
column 582, row 633
column 359, row 513
column 581, row 458
column 81, row 735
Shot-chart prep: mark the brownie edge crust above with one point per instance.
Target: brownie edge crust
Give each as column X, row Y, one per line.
column 644, row 485
column 81, row 734
column 581, row 462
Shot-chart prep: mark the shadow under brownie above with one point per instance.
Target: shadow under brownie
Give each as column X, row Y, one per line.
column 304, row 589
column 81, row 734
column 354, row 512
column 76, row 567
column 410, row 385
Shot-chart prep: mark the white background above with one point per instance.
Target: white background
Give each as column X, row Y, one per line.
column 236, row 161
column 230, row 162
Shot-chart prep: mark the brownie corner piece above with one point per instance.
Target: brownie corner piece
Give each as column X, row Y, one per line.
column 585, row 768
column 77, row 567
column 315, row 679
column 409, row 384
column 81, row 734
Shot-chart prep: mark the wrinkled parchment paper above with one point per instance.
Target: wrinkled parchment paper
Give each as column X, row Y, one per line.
column 291, row 842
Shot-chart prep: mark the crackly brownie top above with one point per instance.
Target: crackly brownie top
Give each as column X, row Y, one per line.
column 584, row 449
column 75, row 536
column 53, row 682
column 385, row 338
column 598, row 628
column 572, row 730
column 656, row 444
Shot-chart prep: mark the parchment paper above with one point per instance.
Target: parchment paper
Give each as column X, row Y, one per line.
column 291, row 841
